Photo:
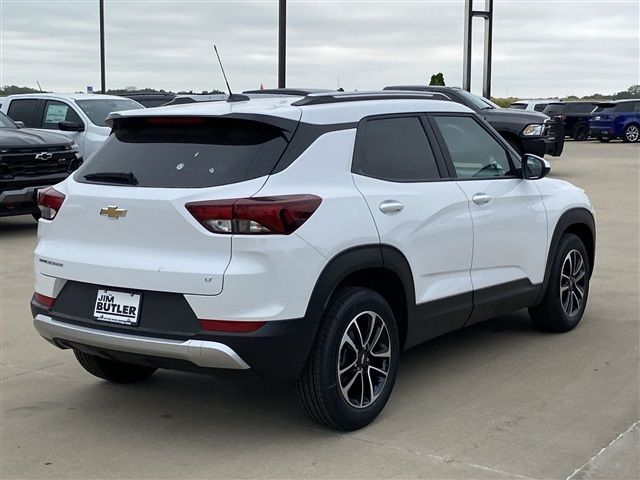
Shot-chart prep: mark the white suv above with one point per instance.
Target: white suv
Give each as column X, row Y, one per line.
column 303, row 238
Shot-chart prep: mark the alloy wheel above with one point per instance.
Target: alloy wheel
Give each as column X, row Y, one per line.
column 364, row 359
column 632, row 133
column 573, row 283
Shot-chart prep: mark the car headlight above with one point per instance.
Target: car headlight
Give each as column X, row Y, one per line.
column 533, row 130
column 75, row 147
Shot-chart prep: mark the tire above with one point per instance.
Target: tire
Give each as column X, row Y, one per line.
column 321, row 386
column 113, row 370
column 562, row 308
column 581, row 132
column 604, row 139
column 631, row 133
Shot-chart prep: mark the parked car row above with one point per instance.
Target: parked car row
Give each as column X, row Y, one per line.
column 583, row 119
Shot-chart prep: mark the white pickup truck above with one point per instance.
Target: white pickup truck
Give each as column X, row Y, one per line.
column 80, row 117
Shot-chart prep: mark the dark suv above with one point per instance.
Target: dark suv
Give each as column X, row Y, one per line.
column 525, row 131
column 29, row 160
column 575, row 117
column 619, row 119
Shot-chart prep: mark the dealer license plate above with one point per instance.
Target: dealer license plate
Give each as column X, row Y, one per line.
column 117, row 307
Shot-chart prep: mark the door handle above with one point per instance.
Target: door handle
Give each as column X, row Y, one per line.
column 481, row 198
column 391, row 207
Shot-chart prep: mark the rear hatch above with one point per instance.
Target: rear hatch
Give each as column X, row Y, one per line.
column 124, row 223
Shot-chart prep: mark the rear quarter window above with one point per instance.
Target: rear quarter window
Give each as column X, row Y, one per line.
column 554, row 109
column 187, row 152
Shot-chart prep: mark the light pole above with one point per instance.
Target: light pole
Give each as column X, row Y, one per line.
column 282, row 42
column 469, row 15
column 103, row 88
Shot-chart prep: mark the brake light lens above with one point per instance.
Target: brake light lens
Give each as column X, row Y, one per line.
column 281, row 215
column 230, row 326
column 44, row 300
column 49, row 202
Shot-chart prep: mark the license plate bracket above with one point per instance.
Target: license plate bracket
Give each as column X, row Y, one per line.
column 117, row 307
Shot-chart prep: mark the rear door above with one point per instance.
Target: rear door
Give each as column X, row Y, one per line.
column 25, row 110
column 420, row 212
column 509, row 218
column 124, row 222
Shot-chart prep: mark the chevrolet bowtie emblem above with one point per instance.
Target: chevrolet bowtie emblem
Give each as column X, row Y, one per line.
column 113, row 212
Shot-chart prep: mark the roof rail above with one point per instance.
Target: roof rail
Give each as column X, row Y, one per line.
column 340, row 97
column 299, row 92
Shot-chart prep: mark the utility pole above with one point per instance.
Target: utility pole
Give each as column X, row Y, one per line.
column 282, row 42
column 469, row 15
column 103, row 87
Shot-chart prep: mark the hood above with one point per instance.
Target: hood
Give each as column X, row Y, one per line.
column 27, row 137
column 527, row 116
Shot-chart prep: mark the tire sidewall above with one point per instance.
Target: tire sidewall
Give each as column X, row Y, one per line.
column 349, row 304
column 562, row 321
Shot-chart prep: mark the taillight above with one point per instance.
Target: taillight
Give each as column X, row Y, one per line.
column 255, row 216
column 230, row 326
column 44, row 300
column 49, row 202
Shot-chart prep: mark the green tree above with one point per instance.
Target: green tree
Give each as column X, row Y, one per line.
column 437, row 79
column 7, row 90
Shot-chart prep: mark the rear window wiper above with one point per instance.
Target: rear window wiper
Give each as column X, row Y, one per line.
column 126, row 178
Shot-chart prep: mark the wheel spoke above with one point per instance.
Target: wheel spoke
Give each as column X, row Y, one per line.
column 362, row 388
column 372, row 326
column 355, row 324
column 379, row 370
column 580, row 275
column 371, row 394
column 346, row 340
column 573, row 295
column 347, row 387
column 578, row 265
column 348, row 367
column 385, row 354
column 580, row 291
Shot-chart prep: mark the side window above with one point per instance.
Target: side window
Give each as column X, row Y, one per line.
column 474, row 152
column 397, row 149
column 24, row 110
column 55, row 112
column 538, row 107
column 637, row 107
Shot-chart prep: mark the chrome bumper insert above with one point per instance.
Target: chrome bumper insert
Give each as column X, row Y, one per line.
column 199, row 352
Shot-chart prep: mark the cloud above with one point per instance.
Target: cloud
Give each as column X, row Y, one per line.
column 541, row 48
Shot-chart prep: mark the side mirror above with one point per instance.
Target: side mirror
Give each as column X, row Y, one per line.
column 71, row 126
column 534, row 167
column 19, row 124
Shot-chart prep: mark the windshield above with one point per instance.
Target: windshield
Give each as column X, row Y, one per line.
column 554, row 109
column 518, row 106
column 6, row 122
column 99, row 109
column 478, row 102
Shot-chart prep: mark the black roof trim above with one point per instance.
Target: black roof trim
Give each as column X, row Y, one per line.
column 343, row 97
column 298, row 92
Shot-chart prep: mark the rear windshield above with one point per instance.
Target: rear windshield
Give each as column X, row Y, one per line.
column 554, row 109
column 184, row 153
column 603, row 109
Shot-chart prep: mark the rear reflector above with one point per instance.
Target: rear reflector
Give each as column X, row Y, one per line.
column 49, row 202
column 44, row 300
column 255, row 216
column 230, row 326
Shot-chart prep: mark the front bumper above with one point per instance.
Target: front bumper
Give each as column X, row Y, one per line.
column 198, row 352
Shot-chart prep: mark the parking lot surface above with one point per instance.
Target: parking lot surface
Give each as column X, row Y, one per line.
column 496, row 400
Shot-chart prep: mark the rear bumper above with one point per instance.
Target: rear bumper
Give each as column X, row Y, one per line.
column 602, row 132
column 169, row 336
column 199, row 352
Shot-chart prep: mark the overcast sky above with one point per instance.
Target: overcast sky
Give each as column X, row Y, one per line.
column 541, row 48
